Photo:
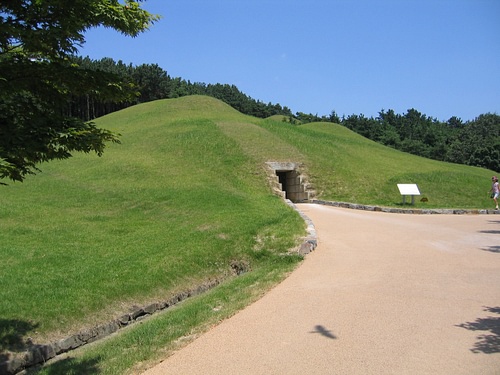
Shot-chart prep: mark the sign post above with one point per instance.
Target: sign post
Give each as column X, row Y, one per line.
column 408, row 189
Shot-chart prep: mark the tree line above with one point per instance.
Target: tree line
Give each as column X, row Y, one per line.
column 475, row 142
column 150, row 82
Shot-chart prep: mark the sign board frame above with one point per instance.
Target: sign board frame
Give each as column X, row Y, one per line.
column 408, row 189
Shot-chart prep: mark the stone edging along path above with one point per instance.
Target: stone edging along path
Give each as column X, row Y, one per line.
column 422, row 211
column 37, row 354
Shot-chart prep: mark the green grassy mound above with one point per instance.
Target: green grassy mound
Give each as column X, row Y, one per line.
column 183, row 198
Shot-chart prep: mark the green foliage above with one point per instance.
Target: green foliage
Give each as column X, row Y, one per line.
column 37, row 81
column 478, row 143
column 153, row 83
column 53, row 29
column 472, row 143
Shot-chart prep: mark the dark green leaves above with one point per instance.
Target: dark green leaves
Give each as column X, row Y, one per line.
column 38, row 81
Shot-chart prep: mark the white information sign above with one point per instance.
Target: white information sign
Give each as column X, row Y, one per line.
column 408, row 189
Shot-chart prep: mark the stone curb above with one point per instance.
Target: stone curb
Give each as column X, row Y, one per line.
column 418, row 211
column 311, row 240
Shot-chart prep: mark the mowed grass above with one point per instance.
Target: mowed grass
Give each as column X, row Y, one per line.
column 170, row 208
column 181, row 199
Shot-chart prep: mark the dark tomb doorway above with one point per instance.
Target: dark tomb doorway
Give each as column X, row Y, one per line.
column 282, row 177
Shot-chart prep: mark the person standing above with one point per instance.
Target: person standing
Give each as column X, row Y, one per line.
column 495, row 190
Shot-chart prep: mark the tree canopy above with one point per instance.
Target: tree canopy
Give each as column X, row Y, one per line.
column 153, row 83
column 38, row 79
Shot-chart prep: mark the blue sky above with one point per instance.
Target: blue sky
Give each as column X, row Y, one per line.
column 441, row 57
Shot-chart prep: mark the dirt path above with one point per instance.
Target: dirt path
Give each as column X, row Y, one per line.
column 382, row 294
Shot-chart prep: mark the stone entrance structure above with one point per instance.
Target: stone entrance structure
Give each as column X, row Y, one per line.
column 288, row 181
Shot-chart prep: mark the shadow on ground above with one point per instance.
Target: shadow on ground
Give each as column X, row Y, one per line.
column 68, row 366
column 492, row 249
column 14, row 338
column 324, row 332
column 495, row 248
column 13, row 334
column 489, row 342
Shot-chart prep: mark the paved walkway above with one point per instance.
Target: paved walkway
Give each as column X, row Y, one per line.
column 382, row 294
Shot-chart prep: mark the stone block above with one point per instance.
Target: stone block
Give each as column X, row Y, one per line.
column 150, row 309
column 68, row 343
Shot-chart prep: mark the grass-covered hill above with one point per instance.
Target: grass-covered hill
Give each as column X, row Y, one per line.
column 184, row 199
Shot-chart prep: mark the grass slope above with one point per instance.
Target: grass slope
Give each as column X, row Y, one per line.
column 174, row 205
column 181, row 199
column 345, row 166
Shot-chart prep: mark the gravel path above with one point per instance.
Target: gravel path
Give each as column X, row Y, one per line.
column 382, row 294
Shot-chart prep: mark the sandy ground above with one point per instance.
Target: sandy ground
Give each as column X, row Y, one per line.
column 382, row 294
